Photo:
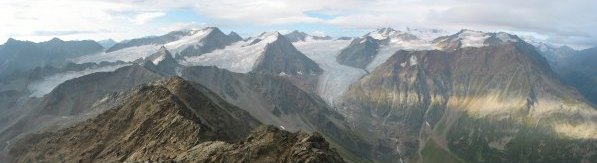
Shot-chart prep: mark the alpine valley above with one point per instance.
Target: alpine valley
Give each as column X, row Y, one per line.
column 202, row 95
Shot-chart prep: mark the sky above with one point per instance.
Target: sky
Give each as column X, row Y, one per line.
column 570, row 22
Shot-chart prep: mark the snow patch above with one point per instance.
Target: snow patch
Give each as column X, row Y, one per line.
column 159, row 59
column 473, row 38
column 413, row 60
column 403, row 64
column 239, row 57
column 387, row 51
column 47, row 84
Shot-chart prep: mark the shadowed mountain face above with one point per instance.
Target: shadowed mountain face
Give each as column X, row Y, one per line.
column 578, row 69
column 167, row 120
column 281, row 56
column 24, row 55
column 162, row 62
column 359, row 53
column 467, row 105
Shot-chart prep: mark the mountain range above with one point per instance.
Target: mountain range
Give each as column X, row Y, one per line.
column 414, row 95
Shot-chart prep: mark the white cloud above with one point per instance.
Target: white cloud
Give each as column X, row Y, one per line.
column 318, row 33
column 565, row 22
column 143, row 18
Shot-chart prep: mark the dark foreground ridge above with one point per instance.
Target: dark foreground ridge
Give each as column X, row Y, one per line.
column 173, row 120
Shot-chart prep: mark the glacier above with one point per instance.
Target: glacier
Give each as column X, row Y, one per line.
column 336, row 78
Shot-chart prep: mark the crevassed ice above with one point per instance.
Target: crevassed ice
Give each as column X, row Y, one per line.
column 239, row 57
column 47, row 84
column 336, row 78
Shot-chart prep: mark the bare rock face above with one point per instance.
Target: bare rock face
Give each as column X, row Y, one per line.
column 160, row 121
column 265, row 144
column 496, row 103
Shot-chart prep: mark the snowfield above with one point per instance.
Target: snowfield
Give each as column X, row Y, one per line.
column 140, row 52
column 239, row 57
column 126, row 55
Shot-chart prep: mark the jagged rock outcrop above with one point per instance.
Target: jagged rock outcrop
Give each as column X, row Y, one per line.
column 265, row 144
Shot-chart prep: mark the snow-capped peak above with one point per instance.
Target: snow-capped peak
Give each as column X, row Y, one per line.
column 266, row 35
column 383, row 33
column 194, row 38
column 176, row 42
column 161, row 55
column 472, row 38
column 239, row 57
column 392, row 35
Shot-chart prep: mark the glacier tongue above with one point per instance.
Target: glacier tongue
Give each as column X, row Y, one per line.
column 239, row 57
column 126, row 55
column 336, row 78
column 47, row 84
